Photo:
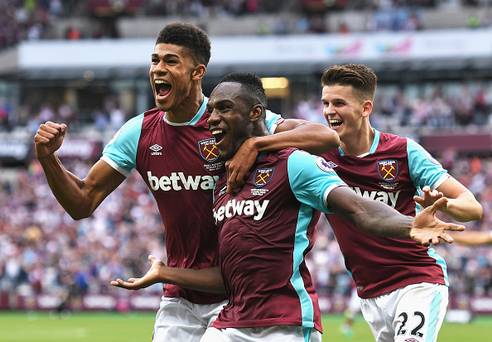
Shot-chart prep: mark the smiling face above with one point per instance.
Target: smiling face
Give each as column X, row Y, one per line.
column 231, row 111
column 172, row 73
column 345, row 109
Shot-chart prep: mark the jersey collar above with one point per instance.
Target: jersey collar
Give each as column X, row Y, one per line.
column 195, row 118
column 373, row 148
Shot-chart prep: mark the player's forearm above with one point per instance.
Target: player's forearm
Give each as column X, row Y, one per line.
column 312, row 137
column 464, row 208
column 206, row 280
column 379, row 219
column 66, row 187
column 473, row 238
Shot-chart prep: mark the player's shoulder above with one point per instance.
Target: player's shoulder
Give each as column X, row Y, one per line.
column 152, row 115
column 392, row 139
column 391, row 144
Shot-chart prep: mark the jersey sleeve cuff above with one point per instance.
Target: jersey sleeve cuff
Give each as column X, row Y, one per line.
column 115, row 166
column 327, row 192
column 441, row 180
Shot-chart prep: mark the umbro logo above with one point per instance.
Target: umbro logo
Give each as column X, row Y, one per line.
column 156, row 150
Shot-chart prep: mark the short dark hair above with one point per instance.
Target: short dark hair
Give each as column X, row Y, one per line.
column 188, row 36
column 359, row 76
column 251, row 82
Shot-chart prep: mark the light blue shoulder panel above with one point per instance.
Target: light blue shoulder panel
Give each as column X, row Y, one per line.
column 311, row 179
column 424, row 169
column 272, row 120
column 121, row 150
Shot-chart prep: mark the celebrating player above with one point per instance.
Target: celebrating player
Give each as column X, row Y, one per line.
column 174, row 152
column 266, row 229
column 403, row 286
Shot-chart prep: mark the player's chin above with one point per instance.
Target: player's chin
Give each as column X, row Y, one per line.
column 163, row 103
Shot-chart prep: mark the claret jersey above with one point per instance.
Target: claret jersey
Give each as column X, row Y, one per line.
column 180, row 164
column 265, row 232
column 394, row 170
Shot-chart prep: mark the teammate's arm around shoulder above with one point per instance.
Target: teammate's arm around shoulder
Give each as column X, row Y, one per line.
column 312, row 137
column 79, row 197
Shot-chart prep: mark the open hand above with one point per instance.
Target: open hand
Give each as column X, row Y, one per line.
column 238, row 167
column 428, row 197
column 149, row 278
column 428, row 229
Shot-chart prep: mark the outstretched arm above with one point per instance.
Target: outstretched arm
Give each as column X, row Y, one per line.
column 206, row 280
column 473, row 238
column 79, row 197
column 312, row 137
column 380, row 219
column 462, row 204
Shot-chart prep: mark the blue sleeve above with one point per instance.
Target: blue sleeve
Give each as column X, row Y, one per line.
column 311, row 179
column 121, row 150
column 424, row 169
column 272, row 121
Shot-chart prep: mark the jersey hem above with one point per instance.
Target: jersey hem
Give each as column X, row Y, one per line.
column 266, row 323
column 402, row 284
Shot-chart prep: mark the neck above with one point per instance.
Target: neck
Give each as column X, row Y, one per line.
column 360, row 142
column 260, row 130
column 187, row 109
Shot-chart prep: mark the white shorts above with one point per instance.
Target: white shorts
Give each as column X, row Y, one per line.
column 270, row 334
column 180, row 320
column 411, row 314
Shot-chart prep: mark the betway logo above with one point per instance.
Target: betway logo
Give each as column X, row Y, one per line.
column 179, row 181
column 389, row 198
column 247, row 208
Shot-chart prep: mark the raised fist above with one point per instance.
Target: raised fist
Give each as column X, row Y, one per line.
column 49, row 138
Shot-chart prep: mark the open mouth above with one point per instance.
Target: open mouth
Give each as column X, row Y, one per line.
column 162, row 88
column 335, row 123
column 218, row 134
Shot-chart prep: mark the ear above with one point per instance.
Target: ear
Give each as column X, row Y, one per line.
column 367, row 108
column 199, row 72
column 256, row 113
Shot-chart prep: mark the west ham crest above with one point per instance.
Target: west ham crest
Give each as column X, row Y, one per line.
column 208, row 150
column 388, row 169
column 263, row 176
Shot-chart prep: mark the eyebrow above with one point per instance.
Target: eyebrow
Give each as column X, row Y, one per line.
column 167, row 55
column 223, row 102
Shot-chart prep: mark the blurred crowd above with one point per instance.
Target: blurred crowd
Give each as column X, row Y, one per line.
column 42, row 250
column 432, row 106
column 43, row 19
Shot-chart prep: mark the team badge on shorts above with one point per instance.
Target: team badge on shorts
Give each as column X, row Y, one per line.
column 388, row 169
column 263, row 176
column 208, row 149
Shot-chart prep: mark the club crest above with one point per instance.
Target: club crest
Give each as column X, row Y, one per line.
column 208, row 149
column 388, row 169
column 263, row 176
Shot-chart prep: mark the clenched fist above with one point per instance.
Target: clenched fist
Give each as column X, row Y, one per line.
column 49, row 138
